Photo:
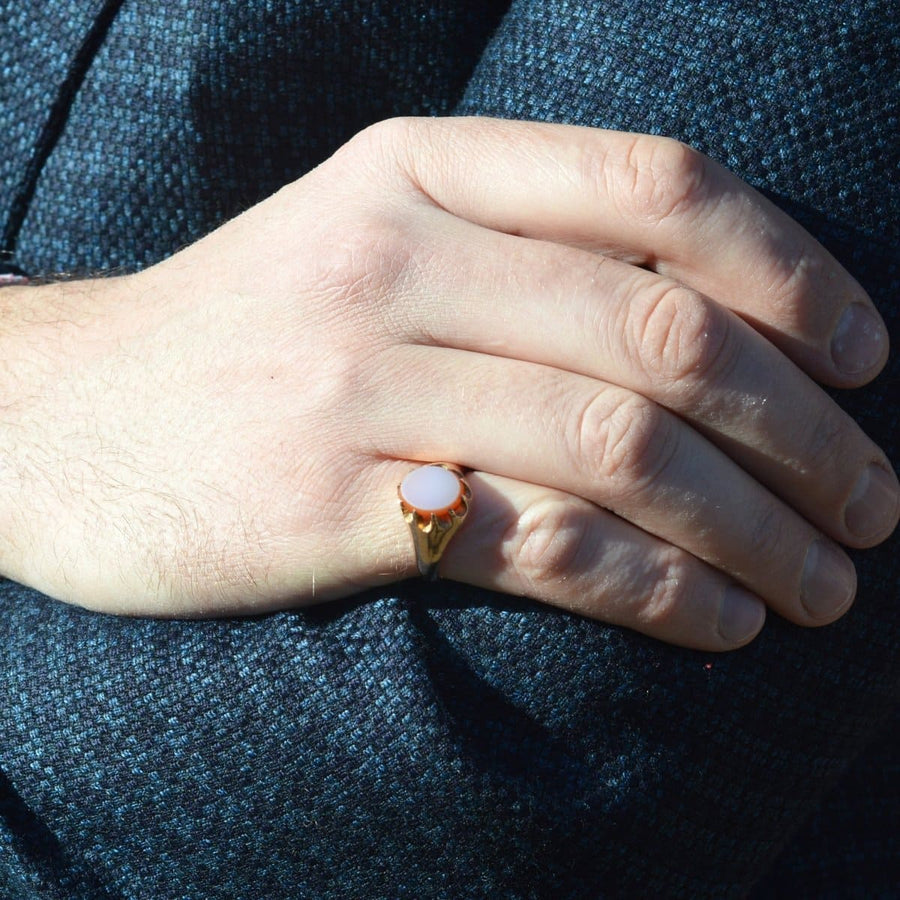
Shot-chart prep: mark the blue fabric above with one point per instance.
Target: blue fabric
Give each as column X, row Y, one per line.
column 436, row 741
column 189, row 112
column 39, row 59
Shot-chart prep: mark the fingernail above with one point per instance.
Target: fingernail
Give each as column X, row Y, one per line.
column 872, row 507
column 829, row 581
column 858, row 341
column 741, row 615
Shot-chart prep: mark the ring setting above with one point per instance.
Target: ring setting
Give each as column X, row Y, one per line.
column 435, row 500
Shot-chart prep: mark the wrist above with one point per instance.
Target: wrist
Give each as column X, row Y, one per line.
column 46, row 332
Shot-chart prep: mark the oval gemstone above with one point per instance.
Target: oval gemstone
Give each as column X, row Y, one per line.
column 430, row 488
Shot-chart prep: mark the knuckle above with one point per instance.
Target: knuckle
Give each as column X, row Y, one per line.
column 795, row 273
column 406, row 151
column 768, row 537
column 670, row 593
column 381, row 144
column 366, row 260
column 625, row 439
column 661, row 178
column 824, row 446
column 551, row 541
column 682, row 337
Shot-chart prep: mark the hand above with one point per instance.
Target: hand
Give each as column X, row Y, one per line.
column 609, row 329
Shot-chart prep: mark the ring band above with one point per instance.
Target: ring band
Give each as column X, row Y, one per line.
column 434, row 500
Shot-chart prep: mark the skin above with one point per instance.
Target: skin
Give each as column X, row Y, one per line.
column 618, row 337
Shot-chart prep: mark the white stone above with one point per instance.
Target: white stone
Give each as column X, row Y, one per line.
column 430, row 488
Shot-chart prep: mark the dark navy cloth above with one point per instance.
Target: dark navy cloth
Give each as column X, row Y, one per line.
column 436, row 741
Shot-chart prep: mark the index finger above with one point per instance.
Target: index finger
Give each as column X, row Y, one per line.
column 657, row 203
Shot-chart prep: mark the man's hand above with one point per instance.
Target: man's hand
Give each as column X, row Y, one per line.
column 613, row 332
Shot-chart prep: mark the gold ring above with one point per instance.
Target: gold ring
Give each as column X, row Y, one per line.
column 434, row 500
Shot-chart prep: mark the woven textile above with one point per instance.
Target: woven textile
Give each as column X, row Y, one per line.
column 436, row 741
